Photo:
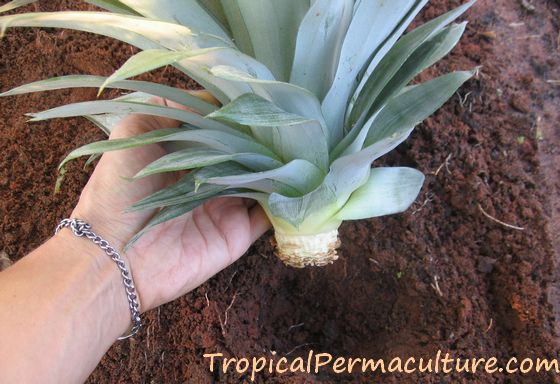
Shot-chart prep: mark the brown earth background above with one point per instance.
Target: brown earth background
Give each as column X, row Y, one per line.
column 440, row 276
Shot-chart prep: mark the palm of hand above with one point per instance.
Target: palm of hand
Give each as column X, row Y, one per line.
column 184, row 253
column 177, row 256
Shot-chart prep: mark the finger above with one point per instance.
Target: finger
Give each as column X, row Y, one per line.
column 259, row 222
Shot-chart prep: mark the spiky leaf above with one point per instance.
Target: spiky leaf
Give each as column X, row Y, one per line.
column 376, row 79
column 413, row 106
column 213, row 139
column 375, row 27
column 267, row 30
column 298, row 174
column 128, row 107
column 82, row 81
column 198, row 157
column 151, row 59
column 319, row 39
column 186, row 12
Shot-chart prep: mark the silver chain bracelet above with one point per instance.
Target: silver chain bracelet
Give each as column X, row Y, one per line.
column 80, row 228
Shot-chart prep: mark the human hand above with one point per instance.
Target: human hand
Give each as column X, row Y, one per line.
column 179, row 255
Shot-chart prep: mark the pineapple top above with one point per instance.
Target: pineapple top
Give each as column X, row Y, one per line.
column 311, row 93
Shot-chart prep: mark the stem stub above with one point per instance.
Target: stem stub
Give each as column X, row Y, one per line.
column 300, row 251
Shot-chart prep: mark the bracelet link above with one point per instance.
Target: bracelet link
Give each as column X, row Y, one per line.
column 82, row 229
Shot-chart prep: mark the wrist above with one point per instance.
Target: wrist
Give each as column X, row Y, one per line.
column 111, row 227
column 117, row 229
column 96, row 284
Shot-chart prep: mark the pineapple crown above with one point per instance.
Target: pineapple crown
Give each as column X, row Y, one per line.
column 312, row 92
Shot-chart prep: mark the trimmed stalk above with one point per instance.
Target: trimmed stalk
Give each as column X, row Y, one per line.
column 313, row 243
column 300, row 251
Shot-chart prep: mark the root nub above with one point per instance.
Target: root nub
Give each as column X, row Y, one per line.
column 300, row 251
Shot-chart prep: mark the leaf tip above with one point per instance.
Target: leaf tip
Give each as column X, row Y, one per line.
column 59, row 179
column 475, row 72
column 127, row 178
column 135, row 238
column 139, row 175
column 33, row 117
column 131, row 242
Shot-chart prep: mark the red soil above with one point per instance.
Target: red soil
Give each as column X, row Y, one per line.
column 440, row 276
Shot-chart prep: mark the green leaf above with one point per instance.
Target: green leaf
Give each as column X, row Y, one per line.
column 225, row 169
column 82, row 81
column 237, row 25
column 184, row 160
column 251, row 109
column 151, row 59
column 267, row 30
column 186, row 12
column 202, row 157
column 375, row 98
column 108, row 121
column 212, row 139
column 375, row 27
column 318, row 44
column 127, row 107
column 353, row 141
column 138, row 31
column 173, row 211
column 289, row 97
column 90, row 160
column 404, row 111
column 387, row 191
column 15, row 4
column 346, row 174
column 376, row 78
column 391, row 127
column 215, row 8
column 223, row 90
column 103, row 146
column 371, row 100
column 315, row 206
column 302, row 141
column 183, row 191
column 413, row 106
column 231, row 169
column 291, row 135
column 151, row 34
column 425, row 56
column 298, row 174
